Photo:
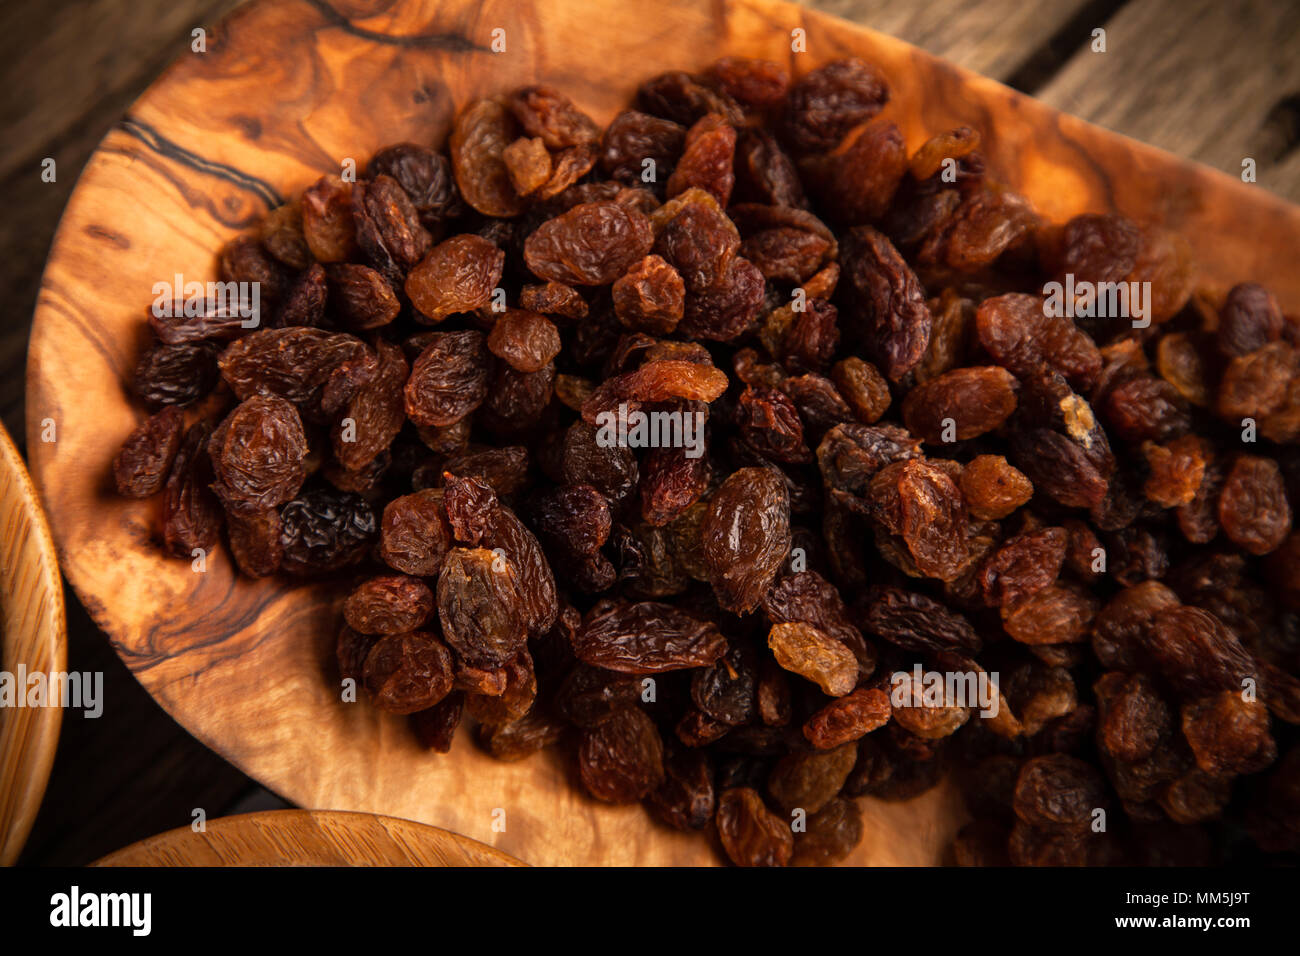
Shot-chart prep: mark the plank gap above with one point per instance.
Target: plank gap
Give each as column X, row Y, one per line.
column 1073, row 36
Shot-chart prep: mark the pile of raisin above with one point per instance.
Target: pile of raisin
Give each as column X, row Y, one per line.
column 906, row 464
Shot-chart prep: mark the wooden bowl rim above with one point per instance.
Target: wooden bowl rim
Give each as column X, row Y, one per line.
column 225, row 831
column 33, row 755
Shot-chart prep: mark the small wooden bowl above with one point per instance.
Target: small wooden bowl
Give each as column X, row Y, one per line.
column 308, row 838
column 33, row 640
column 287, row 90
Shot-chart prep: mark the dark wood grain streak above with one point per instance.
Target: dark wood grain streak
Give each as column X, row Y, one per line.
column 452, row 42
column 166, row 148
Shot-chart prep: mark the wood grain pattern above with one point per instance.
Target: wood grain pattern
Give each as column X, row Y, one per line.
column 31, row 607
column 308, row 838
column 289, row 89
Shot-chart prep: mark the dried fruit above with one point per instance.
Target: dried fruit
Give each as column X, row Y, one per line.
column 141, row 467
column 751, row 834
column 746, row 536
column 621, row 759
column 813, row 654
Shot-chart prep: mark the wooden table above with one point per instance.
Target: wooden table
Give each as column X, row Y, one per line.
column 1213, row 81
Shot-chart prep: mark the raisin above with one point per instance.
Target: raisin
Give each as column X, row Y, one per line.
column 809, row 781
column 406, row 673
column 389, row 231
column 350, row 650
column 1195, row 652
column 415, row 535
column 650, row 296
column 191, row 513
column 648, row 638
column 327, row 223
column 458, row 275
column 764, row 173
column 728, row 310
column 175, row 374
column 1059, row 792
column 1120, row 628
column 656, row 381
column 1253, row 508
column 915, row 710
column 750, row 834
column 479, row 606
column 746, row 537
column 255, row 541
column 636, row 142
column 921, row 505
column 548, row 114
column 528, row 165
column 391, row 604
column 505, row 469
column 993, row 488
column 672, row 480
column 1146, row 408
column 890, row 319
column 1176, row 470
column 1056, row 614
column 425, row 176
column 1182, row 362
column 916, row 623
column 1024, row 564
column 684, row 98
column 813, row 654
column 141, row 467
column 706, row 160
column 847, row 718
column 448, row 380
column 323, row 530
column 553, row 298
column 518, row 693
column 960, row 404
column 479, row 138
column 435, row 727
column 758, row 84
column 526, row 340
column 1249, row 320
column 1228, row 733
column 586, row 459
column 1021, row 335
column 828, row 102
column 296, row 364
column 857, row 179
column 362, row 297
column 770, row 424
column 621, row 760
column 685, row 800
column 575, row 519
column 520, row 738
column 1094, row 248
column 591, row 244
column 258, row 454
column 697, row 240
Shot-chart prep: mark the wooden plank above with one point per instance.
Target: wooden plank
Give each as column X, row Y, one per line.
column 127, row 775
column 56, row 67
column 992, row 37
column 1198, row 78
column 67, row 80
